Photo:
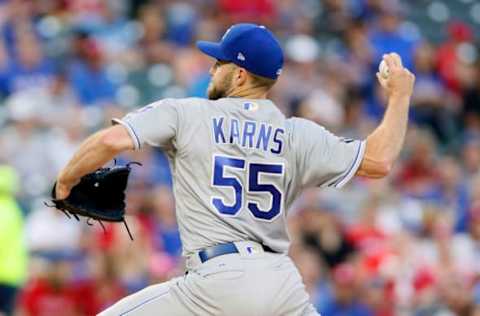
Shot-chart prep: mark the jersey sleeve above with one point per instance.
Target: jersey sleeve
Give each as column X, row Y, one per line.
column 155, row 124
column 324, row 159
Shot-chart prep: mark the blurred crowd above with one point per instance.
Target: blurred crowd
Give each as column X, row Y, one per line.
column 405, row 245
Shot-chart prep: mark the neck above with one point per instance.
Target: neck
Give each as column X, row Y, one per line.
column 249, row 93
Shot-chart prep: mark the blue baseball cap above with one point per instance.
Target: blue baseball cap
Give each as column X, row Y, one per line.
column 249, row 46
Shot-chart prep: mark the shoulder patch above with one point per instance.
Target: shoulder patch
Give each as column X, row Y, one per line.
column 250, row 106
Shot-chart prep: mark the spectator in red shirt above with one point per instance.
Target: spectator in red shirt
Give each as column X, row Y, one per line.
column 51, row 293
column 248, row 10
column 418, row 175
column 103, row 290
column 450, row 65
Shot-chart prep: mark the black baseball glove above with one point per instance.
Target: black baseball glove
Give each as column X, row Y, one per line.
column 99, row 195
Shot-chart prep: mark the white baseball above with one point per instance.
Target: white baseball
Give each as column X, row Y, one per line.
column 383, row 69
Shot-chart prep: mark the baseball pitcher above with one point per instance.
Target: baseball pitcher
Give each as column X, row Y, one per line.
column 238, row 164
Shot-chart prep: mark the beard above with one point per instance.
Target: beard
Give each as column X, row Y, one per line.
column 220, row 90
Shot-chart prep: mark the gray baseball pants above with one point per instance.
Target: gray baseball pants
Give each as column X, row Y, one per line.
column 244, row 284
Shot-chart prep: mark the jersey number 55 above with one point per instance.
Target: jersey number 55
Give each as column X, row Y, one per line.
column 254, row 170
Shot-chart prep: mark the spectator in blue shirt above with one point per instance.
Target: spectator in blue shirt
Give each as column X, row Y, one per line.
column 88, row 75
column 165, row 234
column 29, row 69
column 451, row 192
column 387, row 37
column 344, row 300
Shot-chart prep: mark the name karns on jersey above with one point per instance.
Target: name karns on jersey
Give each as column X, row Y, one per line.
column 248, row 134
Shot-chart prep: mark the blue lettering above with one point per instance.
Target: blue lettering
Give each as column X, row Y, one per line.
column 248, row 132
column 277, row 139
column 234, row 131
column 217, row 129
column 263, row 136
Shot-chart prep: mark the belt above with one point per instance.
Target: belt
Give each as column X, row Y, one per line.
column 225, row 249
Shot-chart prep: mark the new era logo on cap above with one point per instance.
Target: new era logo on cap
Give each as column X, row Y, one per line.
column 240, row 57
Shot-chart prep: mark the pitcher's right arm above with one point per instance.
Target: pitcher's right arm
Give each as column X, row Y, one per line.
column 383, row 145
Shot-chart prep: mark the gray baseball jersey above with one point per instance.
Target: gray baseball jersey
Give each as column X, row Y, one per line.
column 238, row 164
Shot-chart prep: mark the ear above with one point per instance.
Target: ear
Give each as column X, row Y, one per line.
column 241, row 76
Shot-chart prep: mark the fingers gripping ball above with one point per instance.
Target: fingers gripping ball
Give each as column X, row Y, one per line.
column 99, row 195
column 383, row 69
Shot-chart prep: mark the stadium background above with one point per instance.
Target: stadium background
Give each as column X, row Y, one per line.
column 405, row 245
